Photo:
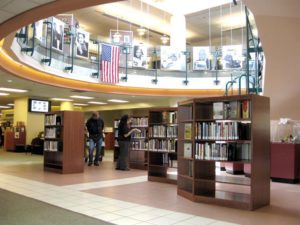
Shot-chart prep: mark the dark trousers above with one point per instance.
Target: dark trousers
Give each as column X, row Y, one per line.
column 92, row 145
column 123, row 155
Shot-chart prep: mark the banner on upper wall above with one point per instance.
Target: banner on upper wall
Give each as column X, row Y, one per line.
column 57, row 34
column 172, row 59
column 231, row 57
column 201, row 58
column 82, row 43
column 139, row 56
column 123, row 37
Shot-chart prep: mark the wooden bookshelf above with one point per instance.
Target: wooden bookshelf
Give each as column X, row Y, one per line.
column 227, row 141
column 64, row 142
column 138, row 151
column 162, row 138
column 116, row 145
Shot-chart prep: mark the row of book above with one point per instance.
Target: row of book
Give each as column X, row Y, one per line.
column 139, row 122
column 218, row 151
column 162, row 145
column 231, row 110
column 139, row 145
column 223, row 131
column 53, row 120
column 142, row 134
column 52, row 133
column 163, row 117
column 52, row 146
column 160, row 131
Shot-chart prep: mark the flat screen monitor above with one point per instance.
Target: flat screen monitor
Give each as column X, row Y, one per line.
column 39, row 106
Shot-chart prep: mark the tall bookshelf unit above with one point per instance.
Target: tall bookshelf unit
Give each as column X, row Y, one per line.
column 64, row 142
column 138, row 151
column 220, row 129
column 116, row 145
column 162, row 143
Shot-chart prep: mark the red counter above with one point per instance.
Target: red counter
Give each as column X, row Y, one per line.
column 285, row 162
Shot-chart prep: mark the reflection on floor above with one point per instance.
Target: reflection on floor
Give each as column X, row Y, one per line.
column 127, row 198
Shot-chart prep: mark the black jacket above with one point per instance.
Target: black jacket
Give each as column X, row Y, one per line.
column 95, row 128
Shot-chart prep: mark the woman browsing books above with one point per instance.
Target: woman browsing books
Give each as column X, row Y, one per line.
column 124, row 138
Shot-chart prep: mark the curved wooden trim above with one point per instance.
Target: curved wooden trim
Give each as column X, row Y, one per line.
column 23, row 71
column 44, row 11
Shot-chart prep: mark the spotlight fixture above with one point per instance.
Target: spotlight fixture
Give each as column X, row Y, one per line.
column 12, row 90
column 164, row 39
column 62, row 99
column 117, row 101
column 81, row 97
column 97, row 103
column 141, row 31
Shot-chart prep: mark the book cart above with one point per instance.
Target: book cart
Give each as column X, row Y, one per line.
column 224, row 129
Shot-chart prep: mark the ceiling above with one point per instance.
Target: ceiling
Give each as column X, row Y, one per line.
column 98, row 20
column 11, row 8
column 41, row 91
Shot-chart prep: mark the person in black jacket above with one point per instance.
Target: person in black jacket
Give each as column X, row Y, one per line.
column 95, row 126
column 124, row 137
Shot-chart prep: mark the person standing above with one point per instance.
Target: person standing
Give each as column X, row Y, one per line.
column 124, row 137
column 95, row 126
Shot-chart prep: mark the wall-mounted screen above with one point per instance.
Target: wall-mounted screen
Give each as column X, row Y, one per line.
column 39, row 106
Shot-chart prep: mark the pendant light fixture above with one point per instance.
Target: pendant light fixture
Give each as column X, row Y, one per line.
column 117, row 36
column 165, row 38
column 141, row 30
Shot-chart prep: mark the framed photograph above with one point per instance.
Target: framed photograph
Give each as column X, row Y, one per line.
column 139, row 56
column 69, row 21
column 201, row 58
column 39, row 30
column 231, row 56
column 82, row 43
column 58, row 34
column 172, row 59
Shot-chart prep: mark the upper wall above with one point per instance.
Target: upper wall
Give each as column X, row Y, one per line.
column 278, row 22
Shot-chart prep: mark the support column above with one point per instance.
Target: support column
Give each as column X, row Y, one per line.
column 66, row 106
column 178, row 32
column 34, row 122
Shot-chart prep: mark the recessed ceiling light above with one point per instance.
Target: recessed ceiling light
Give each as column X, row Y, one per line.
column 80, row 104
column 81, row 97
column 3, row 94
column 11, row 104
column 62, row 99
column 13, row 90
column 117, row 101
column 9, row 81
column 98, row 103
column 4, row 107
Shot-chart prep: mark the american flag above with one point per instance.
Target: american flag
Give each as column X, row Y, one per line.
column 110, row 63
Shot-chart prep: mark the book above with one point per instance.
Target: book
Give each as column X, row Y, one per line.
column 188, row 131
column 187, row 153
column 218, row 110
column 234, row 110
column 246, row 109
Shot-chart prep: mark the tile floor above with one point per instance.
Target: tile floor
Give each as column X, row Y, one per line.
column 127, row 198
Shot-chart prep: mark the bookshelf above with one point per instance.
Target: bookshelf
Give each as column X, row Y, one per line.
column 234, row 129
column 116, row 145
column 138, row 151
column 64, row 142
column 162, row 143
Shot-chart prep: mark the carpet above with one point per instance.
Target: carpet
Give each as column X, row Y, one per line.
column 16, row 209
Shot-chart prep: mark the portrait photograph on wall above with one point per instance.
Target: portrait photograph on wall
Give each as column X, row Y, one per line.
column 40, row 31
column 82, row 43
column 201, row 58
column 57, row 34
column 172, row 59
column 231, row 56
column 139, row 56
